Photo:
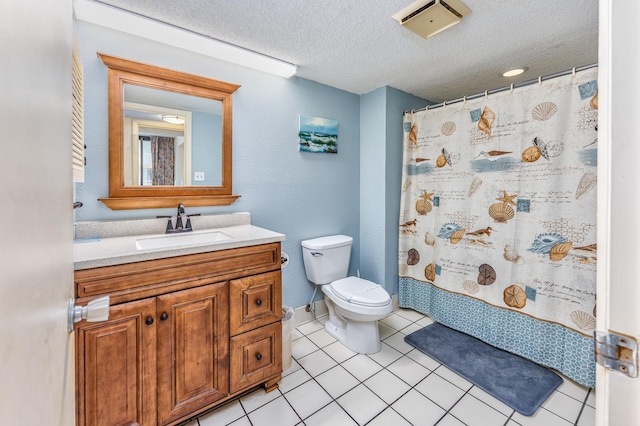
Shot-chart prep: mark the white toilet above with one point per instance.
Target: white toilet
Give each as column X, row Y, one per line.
column 355, row 305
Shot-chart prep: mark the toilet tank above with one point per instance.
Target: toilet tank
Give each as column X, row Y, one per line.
column 326, row 259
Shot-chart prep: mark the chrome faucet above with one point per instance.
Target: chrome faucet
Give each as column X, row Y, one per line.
column 181, row 214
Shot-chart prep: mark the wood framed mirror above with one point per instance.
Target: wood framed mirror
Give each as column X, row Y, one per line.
column 169, row 137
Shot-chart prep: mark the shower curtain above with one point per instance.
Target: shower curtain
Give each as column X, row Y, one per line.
column 498, row 220
column 162, row 160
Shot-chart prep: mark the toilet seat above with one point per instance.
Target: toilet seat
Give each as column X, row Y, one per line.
column 361, row 292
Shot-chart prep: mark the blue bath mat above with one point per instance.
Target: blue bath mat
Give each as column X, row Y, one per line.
column 521, row 384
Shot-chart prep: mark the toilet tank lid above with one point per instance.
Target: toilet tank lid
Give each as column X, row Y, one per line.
column 331, row 241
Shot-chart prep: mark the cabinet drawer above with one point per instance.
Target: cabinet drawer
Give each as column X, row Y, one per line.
column 149, row 278
column 255, row 301
column 255, row 356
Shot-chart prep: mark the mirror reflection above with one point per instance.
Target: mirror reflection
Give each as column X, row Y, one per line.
column 171, row 139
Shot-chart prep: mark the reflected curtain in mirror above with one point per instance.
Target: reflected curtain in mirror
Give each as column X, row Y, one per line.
column 162, row 155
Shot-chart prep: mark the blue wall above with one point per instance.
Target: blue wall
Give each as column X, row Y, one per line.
column 205, row 157
column 380, row 181
column 302, row 195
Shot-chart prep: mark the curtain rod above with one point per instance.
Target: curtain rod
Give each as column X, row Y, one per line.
column 502, row 89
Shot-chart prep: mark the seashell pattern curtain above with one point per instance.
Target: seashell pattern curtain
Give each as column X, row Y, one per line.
column 498, row 220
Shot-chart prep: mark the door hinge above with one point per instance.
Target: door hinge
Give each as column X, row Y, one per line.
column 616, row 352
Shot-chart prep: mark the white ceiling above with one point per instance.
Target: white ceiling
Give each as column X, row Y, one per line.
column 356, row 46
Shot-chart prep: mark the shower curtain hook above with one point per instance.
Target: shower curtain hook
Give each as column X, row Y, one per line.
column 444, row 104
column 511, row 87
column 486, row 93
column 573, row 71
column 465, row 99
column 540, row 80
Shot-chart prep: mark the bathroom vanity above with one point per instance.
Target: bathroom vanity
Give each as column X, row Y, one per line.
column 189, row 326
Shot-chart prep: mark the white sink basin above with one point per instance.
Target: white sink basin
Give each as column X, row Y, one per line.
column 169, row 241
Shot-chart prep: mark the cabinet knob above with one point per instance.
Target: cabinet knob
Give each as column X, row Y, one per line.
column 258, row 302
column 149, row 321
column 164, row 316
column 258, row 357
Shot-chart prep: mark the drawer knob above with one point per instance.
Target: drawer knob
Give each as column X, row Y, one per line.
column 164, row 316
column 149, row 321
column 258, row 357
column 258, row 302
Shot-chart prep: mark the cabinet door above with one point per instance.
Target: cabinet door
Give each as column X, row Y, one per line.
column 116, row 367
column 193, row 350
column 255, row 356
column 255, row 301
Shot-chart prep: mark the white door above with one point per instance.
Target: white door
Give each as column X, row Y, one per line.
column 36, row 231
column 618, row 396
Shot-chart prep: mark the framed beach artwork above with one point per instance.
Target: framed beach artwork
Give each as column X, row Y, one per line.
column 317, row 134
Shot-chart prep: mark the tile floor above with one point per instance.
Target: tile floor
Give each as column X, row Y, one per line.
column 329, row 384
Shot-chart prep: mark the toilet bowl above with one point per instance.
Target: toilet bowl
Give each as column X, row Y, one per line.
column 355, row 305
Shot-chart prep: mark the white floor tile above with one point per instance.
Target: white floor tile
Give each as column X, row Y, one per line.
column 386, row 355
column 321, row 338
column 361, row 366
column 396, row 322
column 591, row 399
column 587, row 417
column 302, row 347
column 361, row 404
column 425, row 322
column 474, row 412
column 332, row 414
column 541, row 417
column 339, row 352
column 410, row 314
column 449, row 420
column 408, row 370
column 308, row 398
column 317, row 362
column 385, row 331
column 277, row 412
column 454, row 378
column 418, row 409
column 337, row 381
column 293, row 380
column 397, row 342
column 310, row 327
column 257, row 398
column 572, row 389
column 424, row 360
column 413, row 327
column 440, row 391
column 387, row 386
column 491, row 401
column 389, row 417
column 564, row 406
column 223, row 415
column 244, row 421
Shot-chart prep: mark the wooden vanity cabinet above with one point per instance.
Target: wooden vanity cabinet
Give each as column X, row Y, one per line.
column 183, row 334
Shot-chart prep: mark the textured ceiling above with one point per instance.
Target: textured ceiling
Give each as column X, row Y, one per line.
column 356, row 46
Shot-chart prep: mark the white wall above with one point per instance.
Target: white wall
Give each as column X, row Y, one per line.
column 36, row 256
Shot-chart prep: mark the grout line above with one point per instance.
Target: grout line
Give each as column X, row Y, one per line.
column 584, row 403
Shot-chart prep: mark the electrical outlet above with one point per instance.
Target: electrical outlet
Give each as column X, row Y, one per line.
column 198, row 176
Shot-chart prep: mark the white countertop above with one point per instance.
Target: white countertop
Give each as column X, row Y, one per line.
column 93, row 252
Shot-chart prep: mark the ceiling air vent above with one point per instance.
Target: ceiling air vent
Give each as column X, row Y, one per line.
column 428, row 17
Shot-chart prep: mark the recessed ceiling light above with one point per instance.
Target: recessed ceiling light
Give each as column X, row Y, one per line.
column 515, row 71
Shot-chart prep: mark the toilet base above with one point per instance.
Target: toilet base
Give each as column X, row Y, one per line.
column 360, row 336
